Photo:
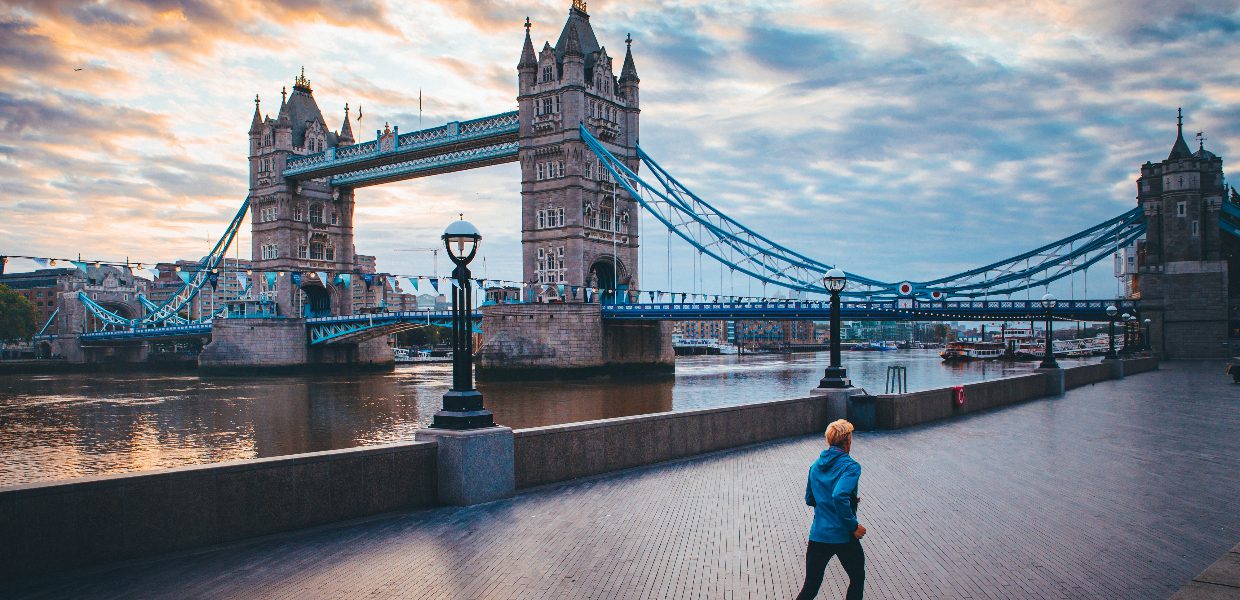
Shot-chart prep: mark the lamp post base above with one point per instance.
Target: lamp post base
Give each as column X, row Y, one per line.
column 835, row 377
column 463, row 410
column 1048, row 363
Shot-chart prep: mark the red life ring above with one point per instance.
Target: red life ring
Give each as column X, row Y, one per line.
column 958, row 395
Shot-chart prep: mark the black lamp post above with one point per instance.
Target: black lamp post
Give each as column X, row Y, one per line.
column 1111, row 312
column 1125, row 318
column 1048, row 357
column 462, row 405
column 1147, row 345
column 836, row 377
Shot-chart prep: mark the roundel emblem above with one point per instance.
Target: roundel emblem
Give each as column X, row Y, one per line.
column 936, row 295
column 905, row 288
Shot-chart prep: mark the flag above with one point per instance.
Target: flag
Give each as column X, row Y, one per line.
column 213, row 279
column 413, row 283
column 184, row 276
column 559, row 289
column 241, row 279
column 359, row 113
column 42, row 262
column 574, row 290
column 369, row 279
column 650, row 295
column 322, row 275
column 81, row 266
column 271, row 280
column 154, row 273
column 345, row 279
column 296, row 278
column 435, row 284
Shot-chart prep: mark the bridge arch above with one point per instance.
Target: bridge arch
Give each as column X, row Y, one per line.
column 317, row 298
column 608, row 274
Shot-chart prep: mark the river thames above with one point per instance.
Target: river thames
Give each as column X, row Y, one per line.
column 72, row 425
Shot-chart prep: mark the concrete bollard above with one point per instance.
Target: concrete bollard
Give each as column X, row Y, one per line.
column 1054, row 381
column 473, row 466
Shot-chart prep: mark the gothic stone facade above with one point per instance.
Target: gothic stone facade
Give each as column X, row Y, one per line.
column 579, row 228
column 1183, row 271
column 304, row 227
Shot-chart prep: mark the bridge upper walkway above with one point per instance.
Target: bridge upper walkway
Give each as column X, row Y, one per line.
column 454, row 146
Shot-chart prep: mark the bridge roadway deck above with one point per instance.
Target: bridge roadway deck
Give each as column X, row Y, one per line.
column 1124, row 489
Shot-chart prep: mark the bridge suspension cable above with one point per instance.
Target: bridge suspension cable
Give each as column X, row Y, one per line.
column 714, row 233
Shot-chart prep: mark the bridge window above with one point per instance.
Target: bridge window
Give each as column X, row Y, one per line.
column 547, row 73
column 541, row 169
column 335, row 218
column 303, row 251
column 316, row 250
column 299, row 213
column 1181, row 209
column 1195, row 229
column 316, row 213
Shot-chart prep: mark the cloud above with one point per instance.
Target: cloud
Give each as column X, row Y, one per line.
column 904, row 140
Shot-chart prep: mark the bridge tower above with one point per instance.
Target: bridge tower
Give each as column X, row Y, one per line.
column 1183, row 264
column 578, row 227
column 301, row 230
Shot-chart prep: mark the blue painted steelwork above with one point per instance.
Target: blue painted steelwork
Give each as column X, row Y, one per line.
column 48, row 323
column 152, row 307
column 430, row 165
column 409, row 147
column 148, row 333
column 714, row 233
column 355, row 328
column 1225, row 223
column 875, row 310
column 171, row 308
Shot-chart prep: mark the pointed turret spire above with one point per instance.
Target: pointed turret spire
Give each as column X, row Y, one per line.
column 629, row 71
column 346, row 130
column 528, row 59
column 1180, row 149
column 256, row 124
column 573, row 46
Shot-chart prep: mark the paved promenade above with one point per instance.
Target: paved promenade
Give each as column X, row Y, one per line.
column 1124, row 489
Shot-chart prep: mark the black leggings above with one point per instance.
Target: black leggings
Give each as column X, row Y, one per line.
column 852, row 557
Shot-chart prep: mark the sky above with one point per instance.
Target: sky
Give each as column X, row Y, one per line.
column 902, row 140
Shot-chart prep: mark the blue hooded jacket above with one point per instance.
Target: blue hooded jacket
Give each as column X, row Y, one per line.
column 832, row 491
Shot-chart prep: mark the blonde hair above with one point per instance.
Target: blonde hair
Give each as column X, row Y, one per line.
column 838, row 432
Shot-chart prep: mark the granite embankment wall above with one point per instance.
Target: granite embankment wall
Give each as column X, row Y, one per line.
column 57, row 526
column 561, row 452
column 893, row 411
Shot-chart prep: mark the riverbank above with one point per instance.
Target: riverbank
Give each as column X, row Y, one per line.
column 75, row 523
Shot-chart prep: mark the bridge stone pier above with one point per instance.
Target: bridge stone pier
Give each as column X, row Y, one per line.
column 281, row 344
column 569, row 340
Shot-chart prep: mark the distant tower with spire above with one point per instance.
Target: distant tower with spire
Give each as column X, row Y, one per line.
column 579, row 228
column 299, row 227
column 1183, row 263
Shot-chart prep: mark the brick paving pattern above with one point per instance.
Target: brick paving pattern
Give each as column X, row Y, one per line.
column 1124, row 489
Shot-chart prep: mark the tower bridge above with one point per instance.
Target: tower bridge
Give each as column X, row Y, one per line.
column 575, row 135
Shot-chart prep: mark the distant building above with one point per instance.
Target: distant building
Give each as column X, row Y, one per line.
column 701, row 330
column 114, row 288
column 233, row 279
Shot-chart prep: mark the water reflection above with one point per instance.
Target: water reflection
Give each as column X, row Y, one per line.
column 62, row 426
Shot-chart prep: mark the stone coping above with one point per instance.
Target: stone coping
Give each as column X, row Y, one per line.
column 229, row 466
column 671, row 414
